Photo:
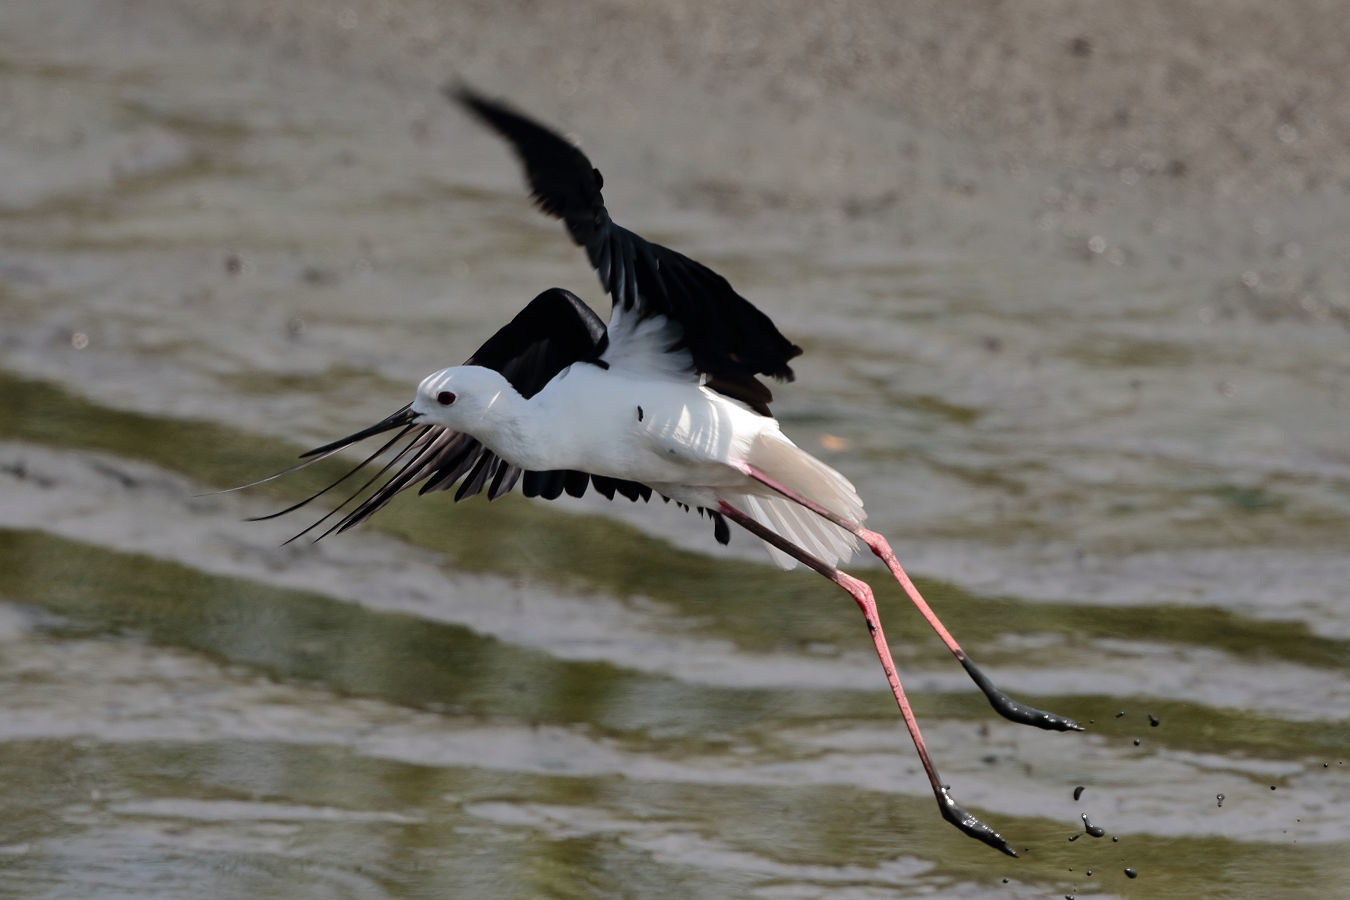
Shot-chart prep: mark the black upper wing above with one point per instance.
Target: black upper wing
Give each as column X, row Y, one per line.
column 729, row 339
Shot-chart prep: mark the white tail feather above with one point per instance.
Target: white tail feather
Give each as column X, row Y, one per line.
column 794, row 468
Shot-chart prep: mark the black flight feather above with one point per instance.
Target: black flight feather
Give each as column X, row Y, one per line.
column 728, row 338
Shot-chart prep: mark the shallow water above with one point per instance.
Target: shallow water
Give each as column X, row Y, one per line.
column 1122, row 493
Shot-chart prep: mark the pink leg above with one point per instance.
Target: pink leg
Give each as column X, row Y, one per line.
column 862, row 595
column 1002, row 703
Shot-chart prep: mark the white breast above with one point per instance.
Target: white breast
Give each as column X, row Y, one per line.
column 632, row 425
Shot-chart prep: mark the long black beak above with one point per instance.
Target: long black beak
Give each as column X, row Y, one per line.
column 405, row 416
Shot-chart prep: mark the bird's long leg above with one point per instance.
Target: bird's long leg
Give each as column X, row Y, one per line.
column 862, row 595
column 1001, row 702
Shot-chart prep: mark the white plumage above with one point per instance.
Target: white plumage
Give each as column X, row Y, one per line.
column 644, row 420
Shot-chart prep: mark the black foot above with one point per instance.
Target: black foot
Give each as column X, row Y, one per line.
column 956, row 814
column 1009, row 708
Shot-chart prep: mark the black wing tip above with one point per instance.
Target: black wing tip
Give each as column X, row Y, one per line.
column 563, row 181
column 497, row 114
column 775, row 363
column 459, row 91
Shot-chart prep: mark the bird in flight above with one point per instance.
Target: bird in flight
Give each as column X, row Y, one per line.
column 667, row 399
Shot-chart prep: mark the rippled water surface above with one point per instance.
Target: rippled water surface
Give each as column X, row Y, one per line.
column 1127, row 499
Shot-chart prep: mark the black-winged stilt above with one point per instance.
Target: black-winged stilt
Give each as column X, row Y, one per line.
column 665, row 399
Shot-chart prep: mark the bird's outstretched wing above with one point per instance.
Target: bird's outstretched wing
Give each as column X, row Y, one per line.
column 555, row 330
column 729, row 340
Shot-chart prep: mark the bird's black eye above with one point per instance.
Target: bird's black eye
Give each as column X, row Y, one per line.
column 445, row 398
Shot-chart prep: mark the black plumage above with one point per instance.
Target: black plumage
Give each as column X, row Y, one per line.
column 729, row 340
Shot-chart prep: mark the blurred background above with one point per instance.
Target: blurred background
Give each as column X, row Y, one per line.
column 1072, row 283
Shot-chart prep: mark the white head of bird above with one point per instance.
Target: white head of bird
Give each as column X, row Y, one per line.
column 471, row 399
